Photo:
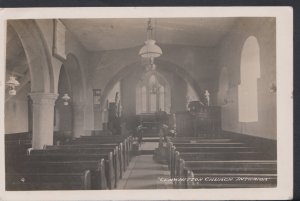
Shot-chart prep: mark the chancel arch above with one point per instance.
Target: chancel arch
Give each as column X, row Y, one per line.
column 163, row 67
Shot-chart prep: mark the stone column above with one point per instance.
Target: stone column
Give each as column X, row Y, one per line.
column 78, row 119
column 43, row 119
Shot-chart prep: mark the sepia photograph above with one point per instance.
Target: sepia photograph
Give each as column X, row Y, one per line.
column 162, row 103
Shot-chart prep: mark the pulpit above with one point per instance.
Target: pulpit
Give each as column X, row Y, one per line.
column 205, row 121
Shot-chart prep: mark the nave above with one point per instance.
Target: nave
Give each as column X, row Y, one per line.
column 105, row 162
column 105, row 104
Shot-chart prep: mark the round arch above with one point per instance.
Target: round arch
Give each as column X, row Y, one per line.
column 73, row 71
column 37, row 54
column 161, row 66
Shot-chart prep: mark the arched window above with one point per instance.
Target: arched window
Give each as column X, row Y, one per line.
column 250, row 72
column 151, row 95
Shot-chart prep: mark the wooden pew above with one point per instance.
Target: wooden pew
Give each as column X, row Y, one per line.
column 100, row 143
column 107, row 138
column 215, row 156
column 125, row 140
column 48, row 181
column 18, row 142
column 13, row 154
column 192, row 142
column 212, row 156
column 208, row 144
column 211, row 148
column 215, row 149
column 243, row 166
column 18, row 136
column 96, row 167
column 125, row 150
column 103, row 180
column 110, row 170
column 119, row 163
column 254, row 168
column 197, row 140
column 196, row 180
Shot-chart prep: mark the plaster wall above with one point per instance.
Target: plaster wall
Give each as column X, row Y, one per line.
column 16, row 112
column 230, row 57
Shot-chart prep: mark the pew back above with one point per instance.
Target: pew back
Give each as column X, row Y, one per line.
column 49, row 181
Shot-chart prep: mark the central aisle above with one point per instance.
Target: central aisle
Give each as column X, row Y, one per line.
column 143, row 173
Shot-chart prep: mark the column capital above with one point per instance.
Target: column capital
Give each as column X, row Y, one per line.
column 43, row 98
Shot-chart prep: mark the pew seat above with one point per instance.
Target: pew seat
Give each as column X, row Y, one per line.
column 208, row 144
column 126, row 145
column 118, row 162
column 121, row 152
column 111, row 171
column 97, row 169
column 197, row 180
column 49, row 181
column 251, row 166
column 213, row 156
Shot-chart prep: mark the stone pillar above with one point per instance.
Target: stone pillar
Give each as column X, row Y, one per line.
column 78, row 119
column 43, row 119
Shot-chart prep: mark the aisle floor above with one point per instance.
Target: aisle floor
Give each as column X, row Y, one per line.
column 144, row 173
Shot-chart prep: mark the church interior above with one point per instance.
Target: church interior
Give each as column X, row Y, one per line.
column 160, row 103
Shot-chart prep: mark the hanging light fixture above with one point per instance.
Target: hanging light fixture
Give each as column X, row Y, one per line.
column 151, row 65
column 12, row 83
column 150, row 49
column 66, row 99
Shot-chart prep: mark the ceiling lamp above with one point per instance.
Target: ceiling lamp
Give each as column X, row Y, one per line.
column 66, row 99
column 150, row 49
column 151, row 66
column 12, row 83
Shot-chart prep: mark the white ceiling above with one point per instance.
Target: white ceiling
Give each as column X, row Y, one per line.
column 109, row 34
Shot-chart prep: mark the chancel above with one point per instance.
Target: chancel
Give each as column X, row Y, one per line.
column 160, row 103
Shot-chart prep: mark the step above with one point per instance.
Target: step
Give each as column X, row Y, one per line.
column 146, row 152
column 150, row 139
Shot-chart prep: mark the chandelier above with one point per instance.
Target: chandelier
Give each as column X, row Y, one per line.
column 12, row 83
column 151, row 66
column 66, row 99
column 150, row 49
